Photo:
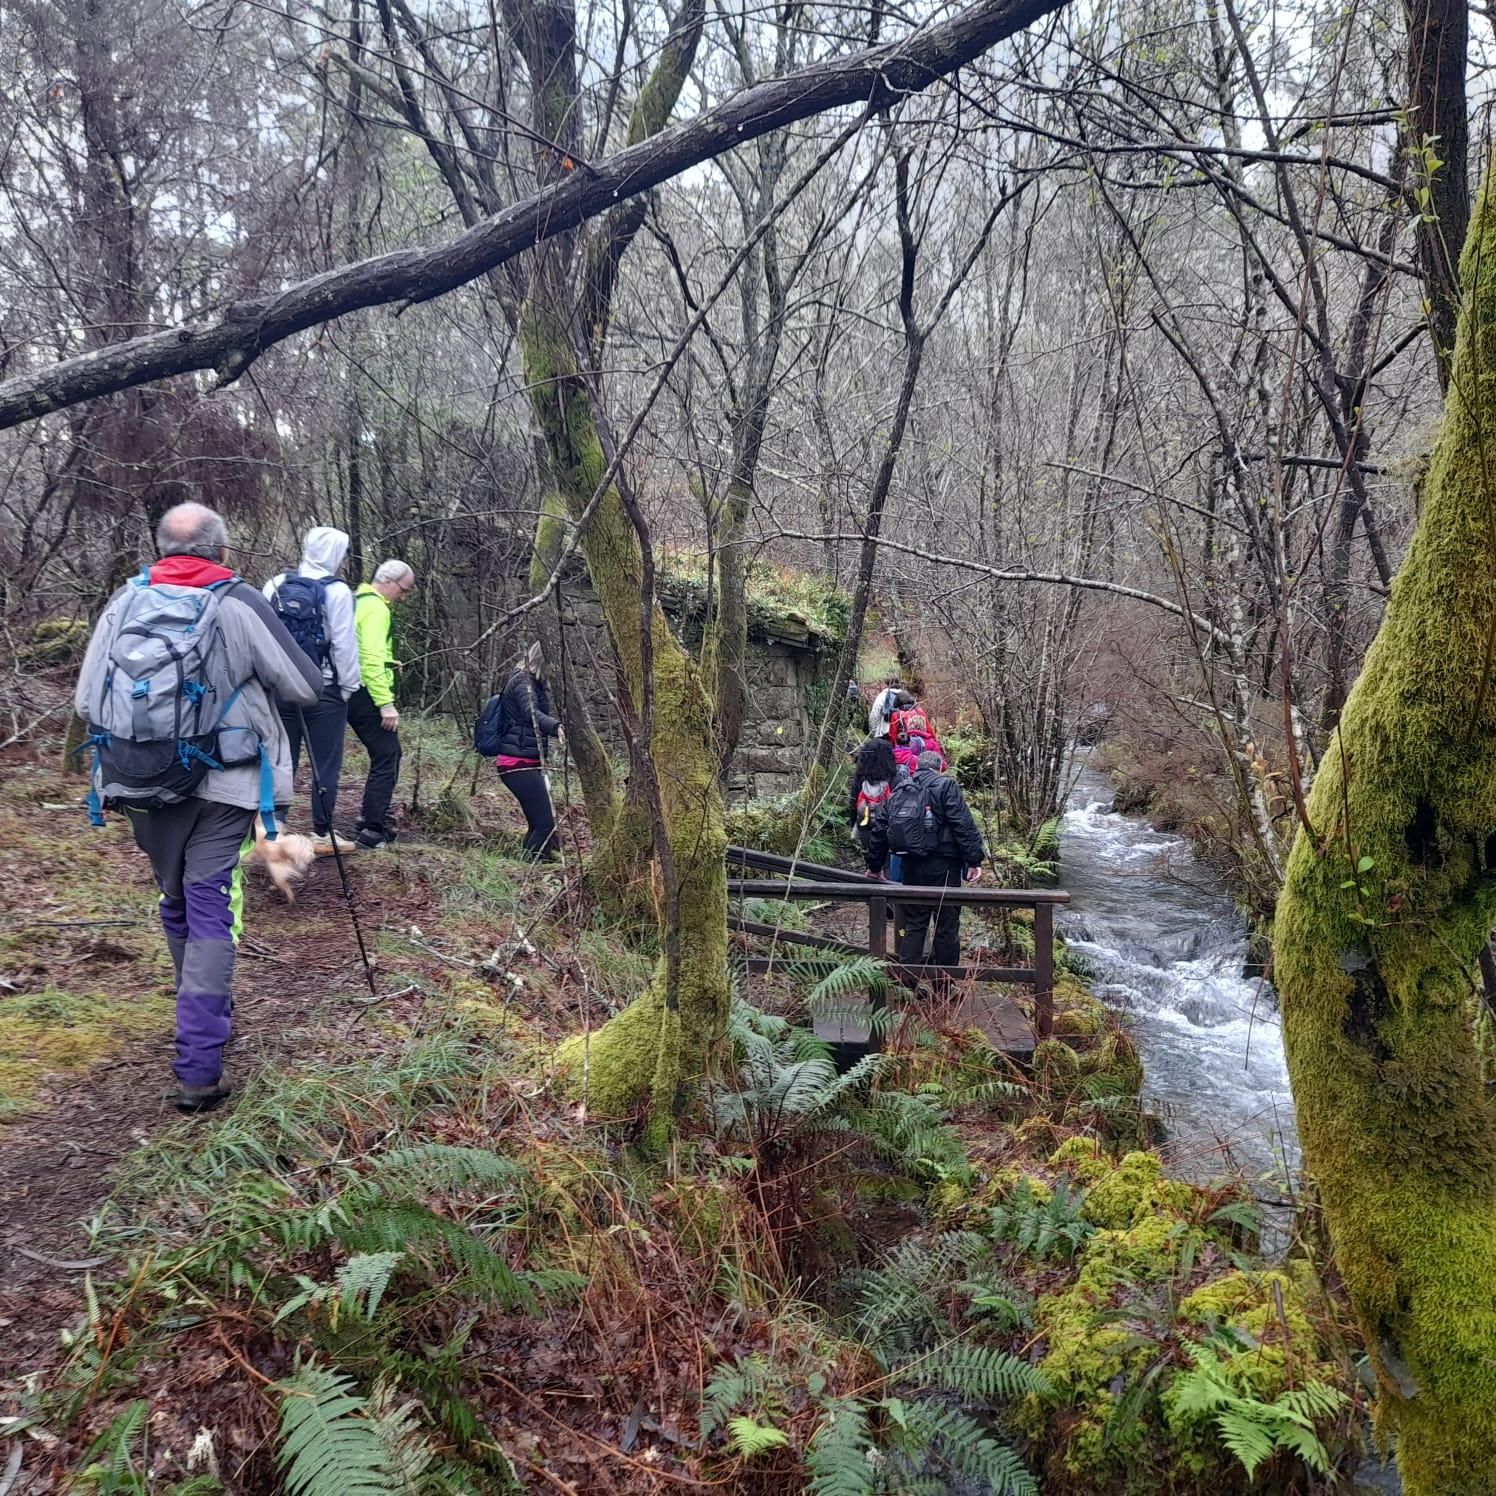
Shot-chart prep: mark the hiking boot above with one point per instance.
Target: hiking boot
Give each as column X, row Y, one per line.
column 374, row 839
column 191, row 1100
column 322, row 841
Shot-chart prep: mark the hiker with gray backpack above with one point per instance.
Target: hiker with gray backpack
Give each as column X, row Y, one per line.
column 928, row 823
column 177, row 689
column 316, row 606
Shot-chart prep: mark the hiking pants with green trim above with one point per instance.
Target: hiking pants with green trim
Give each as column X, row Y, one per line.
column 194, row 850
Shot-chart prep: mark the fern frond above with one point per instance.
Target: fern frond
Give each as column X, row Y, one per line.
column 432, row 1167
column 974, row 1371
column 423, row 1235
column 750, row 1438
column 362, row 1280
column 329, row 1444
column 1246, row 1438
column 966, row 1446
column 839, row 1457
column 112, row 1454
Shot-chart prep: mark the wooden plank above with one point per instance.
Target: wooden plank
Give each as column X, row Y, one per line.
column 1000, row 1019
column 1044, row 970
column 908, row 893
column 775, row 863
column 791, row 937
column 911, row 976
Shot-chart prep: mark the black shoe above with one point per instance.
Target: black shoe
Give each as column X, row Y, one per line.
column 190, row 1100
column 372, row 838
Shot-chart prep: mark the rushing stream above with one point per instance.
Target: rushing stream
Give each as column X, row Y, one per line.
column 1166, row 946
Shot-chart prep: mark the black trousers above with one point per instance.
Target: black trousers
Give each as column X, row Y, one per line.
column 326, row 723
column 914, row 919
column 384, row 760
column 528, row 787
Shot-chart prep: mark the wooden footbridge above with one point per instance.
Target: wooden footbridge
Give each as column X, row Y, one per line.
column 1014, row 1025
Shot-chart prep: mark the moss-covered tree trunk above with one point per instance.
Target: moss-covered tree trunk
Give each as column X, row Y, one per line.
column 1378, row 933
column 664, row 1037
column 582, row 741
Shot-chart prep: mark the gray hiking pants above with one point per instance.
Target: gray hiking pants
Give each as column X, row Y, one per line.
column 194, row 850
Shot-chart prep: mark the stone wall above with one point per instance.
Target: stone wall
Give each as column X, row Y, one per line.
column 776, row 743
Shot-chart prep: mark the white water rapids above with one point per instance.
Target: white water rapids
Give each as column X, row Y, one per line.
column 1166, row 946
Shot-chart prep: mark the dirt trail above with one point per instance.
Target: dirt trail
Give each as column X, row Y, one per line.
column 298, row 1000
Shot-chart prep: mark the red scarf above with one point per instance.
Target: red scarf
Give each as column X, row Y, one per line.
column 189, row 571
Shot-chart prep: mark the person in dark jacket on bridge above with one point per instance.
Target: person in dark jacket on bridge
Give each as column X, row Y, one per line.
column 527, row 729
column 928, row 821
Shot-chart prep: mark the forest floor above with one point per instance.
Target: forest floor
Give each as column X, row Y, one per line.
column 548, row 1307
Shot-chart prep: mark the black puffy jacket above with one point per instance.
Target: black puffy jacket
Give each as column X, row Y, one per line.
column 527, row 706
column 960, row 840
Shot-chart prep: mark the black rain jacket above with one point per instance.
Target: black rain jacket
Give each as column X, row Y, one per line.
column 527, row 705
column 960, row 841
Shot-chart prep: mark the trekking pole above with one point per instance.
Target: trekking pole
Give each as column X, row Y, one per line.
column 321, row 792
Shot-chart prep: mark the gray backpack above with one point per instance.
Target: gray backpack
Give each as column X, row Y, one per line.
column 155, row 729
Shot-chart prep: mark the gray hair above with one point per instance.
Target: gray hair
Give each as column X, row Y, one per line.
column 930, row 759
column 394, row 572
column 191, row 530
column 535, row 660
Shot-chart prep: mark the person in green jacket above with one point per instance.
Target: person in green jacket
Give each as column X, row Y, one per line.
column 372, row 713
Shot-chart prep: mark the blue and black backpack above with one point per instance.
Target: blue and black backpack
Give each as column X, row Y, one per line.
column 301, row 604
column 488, row 730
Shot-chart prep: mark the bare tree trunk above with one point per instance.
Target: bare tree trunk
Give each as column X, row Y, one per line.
column 1438, row 45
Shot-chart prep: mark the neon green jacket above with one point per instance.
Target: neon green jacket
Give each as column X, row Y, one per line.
column 371, row 623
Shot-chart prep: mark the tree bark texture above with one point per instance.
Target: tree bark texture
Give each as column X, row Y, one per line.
column 1378, row 932
column 1438, row 44
column 662, row 1040
column 229, row 343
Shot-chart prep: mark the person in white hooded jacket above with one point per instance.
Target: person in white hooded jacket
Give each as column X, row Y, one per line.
column 320, row 617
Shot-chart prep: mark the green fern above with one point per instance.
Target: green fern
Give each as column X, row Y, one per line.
column 855, row 976
column 1042, row 1229
column 750, row 1382
column 1252, row 1430
column 963, row 1444
column 974, row 1371
column 840, row 1459
column 109, row 1462
column 329, row 1443
column 750, row 1438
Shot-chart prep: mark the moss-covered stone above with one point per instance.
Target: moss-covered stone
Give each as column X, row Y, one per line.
column 1056, row 1066
column 1082, row 1156
column 1116, row 1199
column 1077, row 1014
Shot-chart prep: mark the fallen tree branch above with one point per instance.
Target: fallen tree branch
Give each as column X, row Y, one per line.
column 231, row 342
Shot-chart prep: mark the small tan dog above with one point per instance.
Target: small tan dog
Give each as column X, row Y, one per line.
column 286, row 859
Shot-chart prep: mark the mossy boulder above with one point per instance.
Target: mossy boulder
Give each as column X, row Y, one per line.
column 1077, row 1014
column 1081, row 1156
column 56, row 641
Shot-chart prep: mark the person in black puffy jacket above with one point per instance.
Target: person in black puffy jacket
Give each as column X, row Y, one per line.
column 524, row 739
column 957, row 857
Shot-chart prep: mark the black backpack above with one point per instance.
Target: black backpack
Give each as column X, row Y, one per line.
column 488, row 730
column 300, row 603
column 913, row 822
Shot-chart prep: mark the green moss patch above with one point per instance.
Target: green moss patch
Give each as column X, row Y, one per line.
column 53, row 1032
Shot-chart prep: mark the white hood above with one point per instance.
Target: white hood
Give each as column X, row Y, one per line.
column 324, row 548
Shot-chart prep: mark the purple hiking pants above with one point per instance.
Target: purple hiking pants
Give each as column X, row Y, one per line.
column 194, row 850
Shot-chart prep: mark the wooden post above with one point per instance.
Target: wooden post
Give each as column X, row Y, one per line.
column 1043, row 970
column 877, row 944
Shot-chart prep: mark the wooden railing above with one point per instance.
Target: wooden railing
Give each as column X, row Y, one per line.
column 813, row 881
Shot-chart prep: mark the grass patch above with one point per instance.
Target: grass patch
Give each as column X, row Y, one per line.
column 52, row 1032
